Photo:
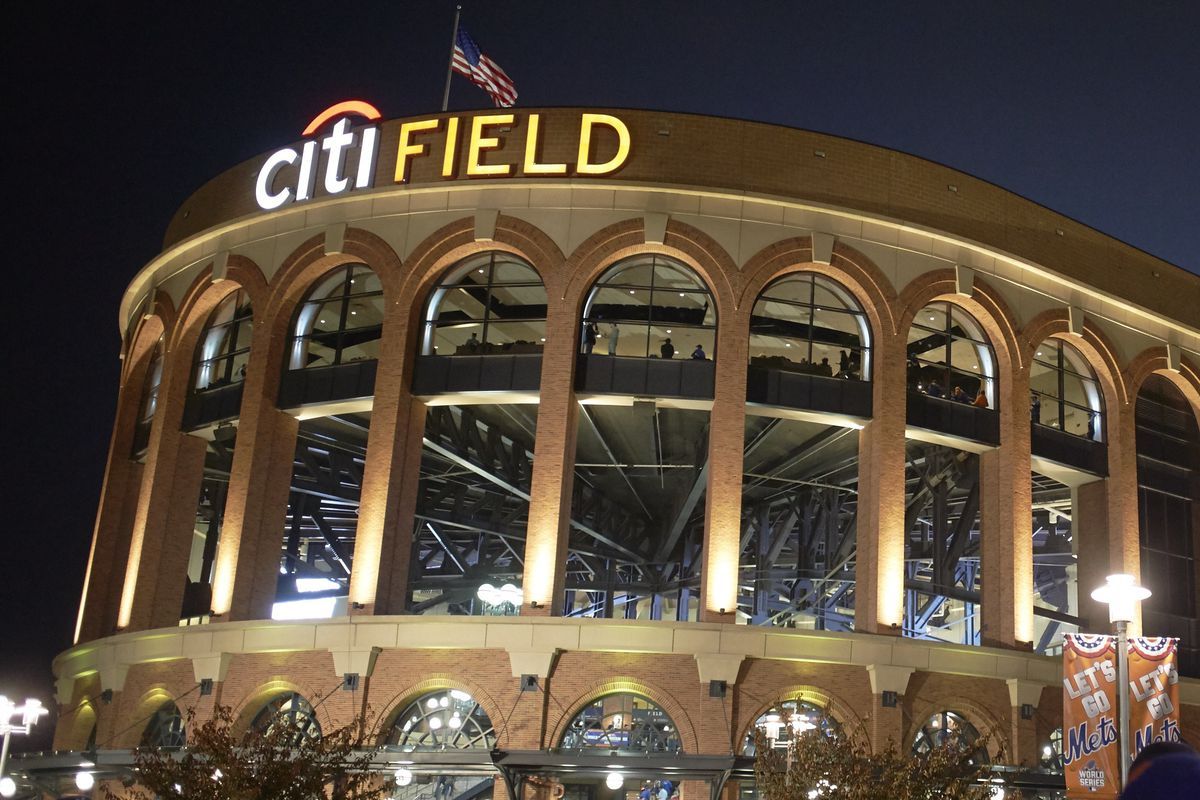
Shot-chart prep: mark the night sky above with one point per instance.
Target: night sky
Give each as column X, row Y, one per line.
column 115, row 115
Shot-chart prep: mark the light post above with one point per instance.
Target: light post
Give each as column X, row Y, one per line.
column 28, row 715
column 1122, row 594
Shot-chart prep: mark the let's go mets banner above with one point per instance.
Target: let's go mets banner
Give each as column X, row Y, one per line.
column 1090, row 724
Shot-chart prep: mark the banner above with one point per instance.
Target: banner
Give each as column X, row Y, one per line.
column 1091, row 760
column 1090, row 757
column 1153, row 692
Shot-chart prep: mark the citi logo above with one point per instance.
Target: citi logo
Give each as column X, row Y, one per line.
column 336, row 145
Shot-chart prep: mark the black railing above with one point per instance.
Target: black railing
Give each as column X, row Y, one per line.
column 776, row 387
column 217, row 404
column 964, row 420
column 489, row 373
column 645, row 377
column 1069, row 449
column 300, row 387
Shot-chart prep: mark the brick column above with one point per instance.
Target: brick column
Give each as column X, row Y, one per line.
column 544, row 581
column 383, row 539
column 723, row 496
column 885, row 724
column 155, row 574
column 1005, row 513
column 247, row 565
column 1023, row 734
column 1105, row 525
column 879, row 588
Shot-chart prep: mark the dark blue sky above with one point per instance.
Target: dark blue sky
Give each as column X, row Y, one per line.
column 1091, row 109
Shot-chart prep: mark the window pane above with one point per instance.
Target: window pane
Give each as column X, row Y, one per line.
column 621, row 304
column 516, row 337
column 508, row 271
column 365, row 312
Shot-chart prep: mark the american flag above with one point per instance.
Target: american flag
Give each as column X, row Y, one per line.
column 470, row 61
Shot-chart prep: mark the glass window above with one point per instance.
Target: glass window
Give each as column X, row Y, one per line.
column 165, row 729
column 624, row 724
column 148, row 404
column 807, row 323
column 781, row 723
column 224, row 347
column 650, row 307
column 1064, row 393
column 950, row 357
column 444, row 720
column 291, row 711
column 490, row 304
column 949, row 728
column 340, row 321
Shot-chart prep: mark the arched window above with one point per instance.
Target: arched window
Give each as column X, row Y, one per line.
column 490, row 304
column 624, row 723
column 148, row 404
column 165, row 729
column 807, row 323
column 1065, row 394
column 150, row 387
column 224, row 346
column 340, row 321
column 948, row 351
column 949, row 728
column 789, row 719
column 444, row 720
column 650, row 307
column 289, row 714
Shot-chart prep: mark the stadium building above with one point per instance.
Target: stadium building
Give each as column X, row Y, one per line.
column 571, row 442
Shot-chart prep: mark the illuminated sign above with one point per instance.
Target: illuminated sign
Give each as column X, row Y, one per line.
column 484, row 136
column 336, row 145
column 288, row 176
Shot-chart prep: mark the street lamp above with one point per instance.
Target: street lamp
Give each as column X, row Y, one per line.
column 27, row 714
column 1122, row 594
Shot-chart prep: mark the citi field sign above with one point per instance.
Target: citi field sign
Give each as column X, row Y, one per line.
column 345, row 160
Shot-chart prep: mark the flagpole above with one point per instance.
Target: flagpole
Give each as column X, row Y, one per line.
column 450, row 67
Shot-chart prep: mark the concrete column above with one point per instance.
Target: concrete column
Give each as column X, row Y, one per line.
column 383, row 539
column 879, row 591
column 1006, row 537
column 723, row 496
column 544, row 581
column 155, row 574
column 247, row 565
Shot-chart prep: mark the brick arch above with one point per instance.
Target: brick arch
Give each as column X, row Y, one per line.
column 1153, row 361
column 442, row 681
column 849, row 268
column 689, row 245
column 153, row 326
column 309, row 262
column 1095, row 347
column 203, row 296
column 622, row 685
column 247, row 708
column 985, row 722
column 455, row 241
column 985, row 304
column 144, row 707
column 841, row 711
column 80, row 728
column 199, row 302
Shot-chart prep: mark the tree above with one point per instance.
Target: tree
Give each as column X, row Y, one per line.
column 278, row 763
column 818, row 766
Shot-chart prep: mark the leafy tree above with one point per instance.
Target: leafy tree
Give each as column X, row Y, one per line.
column 817, row 766
column 278, row 763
